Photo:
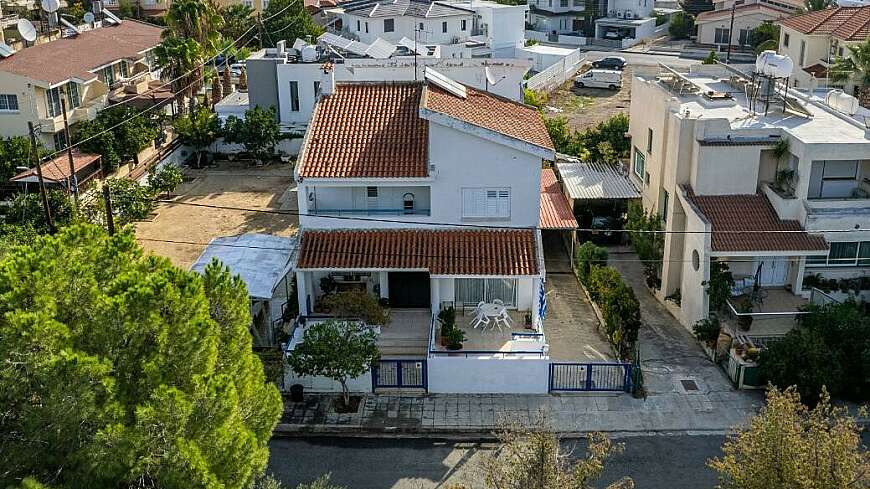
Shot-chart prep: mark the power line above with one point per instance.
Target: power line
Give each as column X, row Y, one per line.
column 406, row 255
column 495, row 226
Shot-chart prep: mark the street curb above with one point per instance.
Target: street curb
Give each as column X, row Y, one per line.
column 326, row 431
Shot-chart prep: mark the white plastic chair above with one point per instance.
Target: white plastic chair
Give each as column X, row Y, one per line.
column 498, row 302
column 480, row 319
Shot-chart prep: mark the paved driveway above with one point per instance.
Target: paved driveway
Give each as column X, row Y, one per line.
column 669, row 352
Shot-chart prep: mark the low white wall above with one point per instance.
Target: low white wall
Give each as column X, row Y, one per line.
column 488, row 375
column 363, row 383
column 537, row 36
column 572, row 40
column 287, row 146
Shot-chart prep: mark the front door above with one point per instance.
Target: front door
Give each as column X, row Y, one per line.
column 774, row 271
column 409, row 289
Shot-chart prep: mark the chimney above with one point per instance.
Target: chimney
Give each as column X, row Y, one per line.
column 327, row 79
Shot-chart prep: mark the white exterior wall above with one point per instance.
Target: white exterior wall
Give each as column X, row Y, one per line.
column 504, row 25
column 556, row 6
column 694, row 302
column 815, row 49
column 350, row 198
column 641, row 8
column 487, row 375
column 404, row 27
column 363, row 383
column 707, row 30
column 305, row 74
column 561, row 24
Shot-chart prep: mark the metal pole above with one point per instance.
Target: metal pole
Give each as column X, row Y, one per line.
column 730, row 34
column 34, row 154
column 110, row 218
column 72, row 181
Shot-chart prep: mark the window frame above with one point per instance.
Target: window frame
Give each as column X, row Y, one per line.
column 463, row 24
column 6, row 98
column 638, row 171
column 649, row 140
column 53, row 107
column 73, row 95
column 492, row 203
column 444, row 27
column 785, row 39
column 392, row 25
column 826, row 261
column 294, row 96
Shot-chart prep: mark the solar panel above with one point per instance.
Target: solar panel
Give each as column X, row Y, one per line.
column 334, row 40
column 380, row 49
column 111, row 17
column 5, row 50
column 444, row 82
column 299, row 44
column 70, row 26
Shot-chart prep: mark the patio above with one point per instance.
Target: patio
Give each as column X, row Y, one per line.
column 490, row 339
column 775, row 316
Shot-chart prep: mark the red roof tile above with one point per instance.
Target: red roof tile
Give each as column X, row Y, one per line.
column 846, row 23
column 818, row 70
column 68, row 57
column 367, row 131
column 441, row 252
column 57, row 170
column 555, row 211
column 752, row 214
column 491, row 112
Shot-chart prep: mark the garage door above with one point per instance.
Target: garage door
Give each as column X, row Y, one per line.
column 409, row 289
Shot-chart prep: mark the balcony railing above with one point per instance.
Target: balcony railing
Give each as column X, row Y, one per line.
column 371, row 212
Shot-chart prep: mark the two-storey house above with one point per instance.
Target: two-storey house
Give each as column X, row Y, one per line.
column 715, row 26
column 427, row 195
column 815, row 40
column 771, row 182
column 427, row 22
column 83, row 70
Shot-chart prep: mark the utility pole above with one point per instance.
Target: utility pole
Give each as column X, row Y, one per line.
column 730, row 34
column 72, row 183
column 34, row 155
column 110, row 218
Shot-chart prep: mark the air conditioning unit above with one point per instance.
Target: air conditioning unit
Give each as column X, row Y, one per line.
column 629, row 14
column 620, row 14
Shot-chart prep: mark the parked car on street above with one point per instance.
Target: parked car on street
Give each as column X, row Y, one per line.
column 611, row 79
column 610, row 63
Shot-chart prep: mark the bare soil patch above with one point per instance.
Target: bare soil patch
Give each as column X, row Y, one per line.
column 181, row 232
column 586, row 107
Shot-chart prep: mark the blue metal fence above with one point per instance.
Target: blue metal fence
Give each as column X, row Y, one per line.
column 400, row 374
column 579, row 377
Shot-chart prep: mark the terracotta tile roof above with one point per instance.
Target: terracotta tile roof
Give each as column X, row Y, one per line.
column 556, row 213
column 741, row 10
column 817, row 70
column 751, row 212
column 367, row 131
column 57, row 170
column 491, row 112
column 68, row 57
column 846, row 23
column 441, row 252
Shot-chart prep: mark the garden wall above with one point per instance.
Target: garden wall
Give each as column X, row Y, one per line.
column 486, row 375
column 363, row 383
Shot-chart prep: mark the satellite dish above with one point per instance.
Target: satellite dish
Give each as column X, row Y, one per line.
column 26, row 29
column 89, row 18
column 50, row 5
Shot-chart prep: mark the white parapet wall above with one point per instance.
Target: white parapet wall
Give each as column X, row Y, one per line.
column 487, row 375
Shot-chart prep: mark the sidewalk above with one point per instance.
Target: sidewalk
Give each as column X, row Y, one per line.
column 447, row 415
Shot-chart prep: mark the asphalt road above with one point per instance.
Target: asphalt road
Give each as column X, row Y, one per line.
column 643, row 59
column 654, row 462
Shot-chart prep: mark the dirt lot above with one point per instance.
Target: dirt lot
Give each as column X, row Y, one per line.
column 234, row 184
column 585, row 107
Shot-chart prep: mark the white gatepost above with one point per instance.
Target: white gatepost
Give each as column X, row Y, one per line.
column 383, row 280
column 303, row 292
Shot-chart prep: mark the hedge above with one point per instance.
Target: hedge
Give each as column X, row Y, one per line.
column 587, row 255
column 619, row 307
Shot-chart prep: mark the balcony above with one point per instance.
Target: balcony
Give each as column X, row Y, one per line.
column 370, row 212
column 373, row 201
column 87, row 111
column 839, row 187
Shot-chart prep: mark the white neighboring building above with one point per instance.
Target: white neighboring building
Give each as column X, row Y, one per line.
column 618, row 23
column 560, row 16
column 628, row 21
column 705, row 161
column 714, row 27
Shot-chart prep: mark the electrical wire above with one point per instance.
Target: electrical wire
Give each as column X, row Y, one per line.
column 495, row 226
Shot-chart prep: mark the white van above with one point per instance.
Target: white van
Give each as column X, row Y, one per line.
column 611, row 79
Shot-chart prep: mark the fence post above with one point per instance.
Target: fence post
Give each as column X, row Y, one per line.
column 399, row 373
column 589, row 377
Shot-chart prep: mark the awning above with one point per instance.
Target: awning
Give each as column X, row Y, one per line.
column 261, row 260
column 594, row 181
column 57, row 170
column 556, row 213
column 438, row 251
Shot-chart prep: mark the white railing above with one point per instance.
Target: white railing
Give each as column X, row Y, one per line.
column 558, row 73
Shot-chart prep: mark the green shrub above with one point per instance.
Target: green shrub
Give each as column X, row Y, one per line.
column 707, row 330
column 719, row 286
column 587, row 255
column 681, row 26
column 535, row 98
column 165, row 179
column 356, row 304
column 642, row 227
column 711, row 58
column 619, row 308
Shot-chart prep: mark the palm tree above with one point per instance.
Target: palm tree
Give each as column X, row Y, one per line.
column 195, row 19
column 182, row 59
column 855, row 67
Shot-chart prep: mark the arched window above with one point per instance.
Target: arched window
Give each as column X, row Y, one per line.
column 408, row 203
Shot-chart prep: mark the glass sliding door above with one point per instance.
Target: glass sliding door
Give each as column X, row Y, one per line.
column 475, row 290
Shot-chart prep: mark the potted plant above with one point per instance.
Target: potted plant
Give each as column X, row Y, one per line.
column 744, row 320
column 784, row 180
column 707, row 330
column 447, row 318
column 454, row 338
column 751, row 354
column 527, row 320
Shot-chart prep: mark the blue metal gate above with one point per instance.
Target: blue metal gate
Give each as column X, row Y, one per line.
column 578, row 377
column 400, row 374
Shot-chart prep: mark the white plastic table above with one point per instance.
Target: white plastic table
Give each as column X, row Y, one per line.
column 495, row 313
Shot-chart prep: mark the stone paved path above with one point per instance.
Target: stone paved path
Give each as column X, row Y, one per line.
column 571, row 326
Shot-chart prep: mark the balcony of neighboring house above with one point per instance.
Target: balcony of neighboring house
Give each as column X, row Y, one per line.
column 77, row 110
column 838, row 187
column 369, row 201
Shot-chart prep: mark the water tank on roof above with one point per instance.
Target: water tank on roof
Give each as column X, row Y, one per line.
column 776, row 65
column 309, row 53
column 842, row 102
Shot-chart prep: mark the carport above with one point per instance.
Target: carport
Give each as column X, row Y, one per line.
column 557, row 224
column 597, row 193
